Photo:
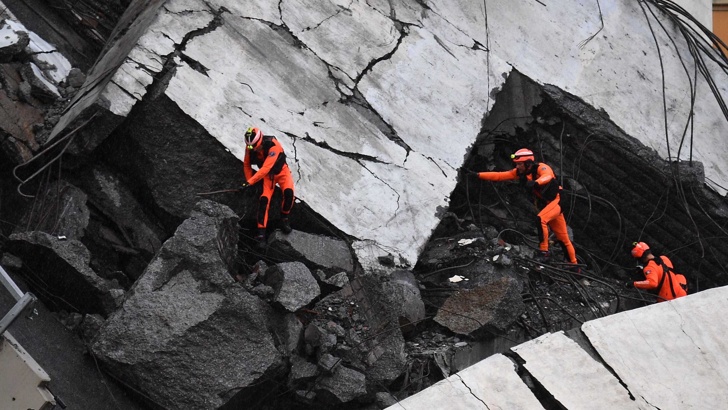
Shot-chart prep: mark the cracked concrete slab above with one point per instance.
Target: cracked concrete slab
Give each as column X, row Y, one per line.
column 671, row 354
column 334, row 32
column 491, row 383
column 379, row 101
column 571, row 376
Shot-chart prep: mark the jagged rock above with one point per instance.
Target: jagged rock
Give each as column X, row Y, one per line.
column 40, row 87
column 63, row 267
column 343, row 386
column 411, row 309
column 335, row 329
column 315, row 250
column 115, row 200
column 191, row 162
column 338, row 280
column 328, row 363
column 75, row 78
column 384, row 400
column 90, row 327
column 288, row 332
column 62, row 212
column 314, row 335
column 492, row 306
column 189, row 336
column 294, row 285
column 301, row 372
column 263, row 291
column 13, row 42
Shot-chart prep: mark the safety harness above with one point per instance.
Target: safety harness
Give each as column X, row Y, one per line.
column 666, row 271
column 546, row 192
column 268, row 143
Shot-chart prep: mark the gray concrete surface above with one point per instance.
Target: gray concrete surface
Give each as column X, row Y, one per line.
column 671, row 355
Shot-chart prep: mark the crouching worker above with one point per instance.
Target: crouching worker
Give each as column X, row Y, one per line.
column 540, row 183
column 266, row 153
column 658, row 274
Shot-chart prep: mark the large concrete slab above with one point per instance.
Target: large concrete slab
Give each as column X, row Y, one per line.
column 572, row 376
column 491, row 383
column 673, row 354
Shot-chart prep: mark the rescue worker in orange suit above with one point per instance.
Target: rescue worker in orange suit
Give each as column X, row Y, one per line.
column 668, row 286
column 540, row 183
column 266, row 153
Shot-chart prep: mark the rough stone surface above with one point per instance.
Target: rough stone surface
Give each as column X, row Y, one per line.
column 316, row 250
column 343, row 386
column 62, row 212
column 63, row 265
column 189, row 297
column 293, row 283
column 495, row 305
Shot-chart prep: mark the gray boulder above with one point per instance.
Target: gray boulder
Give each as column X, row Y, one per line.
column 317, row 251
column 491, row 306
column 293, row 283
column 189, row 336
column 63, row 267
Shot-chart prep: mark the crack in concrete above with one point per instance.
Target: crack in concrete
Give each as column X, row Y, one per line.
column 389, row 186
column 160, row 82
column 144, row 67
column 438, row 166
column 353, row 155
column 648, row 403
column 341, row 10
column 392, row 15
column 125, row 91
column 295, row 155
column 471, row 390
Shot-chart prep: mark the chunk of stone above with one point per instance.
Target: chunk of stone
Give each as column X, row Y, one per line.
column 492, row 306
column 293, row 283
column 316, row 250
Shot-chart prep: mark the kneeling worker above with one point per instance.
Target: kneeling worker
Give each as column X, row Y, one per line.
column 266, row 153
column 658, row 274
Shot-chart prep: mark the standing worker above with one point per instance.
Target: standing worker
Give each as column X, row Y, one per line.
column 266, row 153
column 658, row 274
column 540, row 183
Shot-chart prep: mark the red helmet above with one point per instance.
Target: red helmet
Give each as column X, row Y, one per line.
column 639, row 249
column 523, row 155
column 253, row 137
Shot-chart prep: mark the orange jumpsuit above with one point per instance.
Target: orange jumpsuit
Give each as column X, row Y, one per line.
column 272, row 169
column 547, row 193
column 653, row 274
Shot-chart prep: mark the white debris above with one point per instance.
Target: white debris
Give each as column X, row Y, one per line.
column 457, row 278
column 45, row 53
column 39, row 74
column 464, row 242
column 8, row 36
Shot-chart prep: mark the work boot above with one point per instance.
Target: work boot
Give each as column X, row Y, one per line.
column 260, row 238
column 574, row 269
column 285, row 226
column 543, row 256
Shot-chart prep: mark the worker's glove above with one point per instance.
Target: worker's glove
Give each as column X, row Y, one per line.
column 629, row 284
column 531, row 184
column 469, row 173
